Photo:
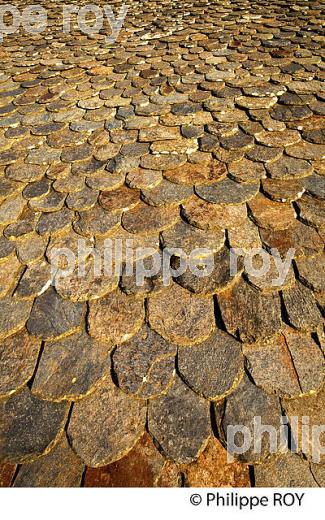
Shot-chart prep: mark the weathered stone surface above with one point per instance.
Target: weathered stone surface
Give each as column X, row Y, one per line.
column 271, row 215
column 29, row 427
column 303, row 239
column 60, row 468
column 245, row 170
column 181, row 317
column 309, row 151
column 13, row 316
column 212, row 469
column 96, row 222
column 316, row 186
column 311, row 211
column 166, row 193
column 52, row 317
column 289, row 168
column 143, row 178
column 11, row 209
column 282, row 190
column 212, row 368
column 227, row 192
column 18, row 356
column 243, row 406
column 207, row 216
column 71, row 368
column 288, row 471
column 278, row 139
column 267, row 272
column 184, row 239
column 278, row 364
column 139, row 468
column 145, row 365
column 10, row 269
column 250, row 312
column 311, row 272
column 308, row 410
column 115, row 318
column 106, row 425
column 171, row 424
column 190, row 174
column 7, row 474
column 301, row 307
column 122, row 199
column 148, row 219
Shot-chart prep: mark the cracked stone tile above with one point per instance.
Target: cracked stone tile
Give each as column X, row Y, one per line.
column 147, row 219
column 227, row 191
column 307, row 410
column 315, row 185
column 188, row 240
column 289, row 168
column 212, row 368
column 311, row 211
column 70, row 368
column 166, row 193
column 14, row 314
column 241, row 407
column 301, row 307
column 18, row 355
column 36, row 277
column 271, row 215
column 121, row 199
column 52, row 317
column 283, row 190
column 116, row 317
column 190, row 174
column 305, row 150
column 96, row 222
column 311, row 272
column 180, row 317
column 170, row 422
column 29, row 427
column 139, row 468
column 111, row 421
column 288, row 470
column 278, row 365
column 246, row 171
column 60, row 468
column 22, row 172
column 145, row 365
column 207, row 216
column 253, row 314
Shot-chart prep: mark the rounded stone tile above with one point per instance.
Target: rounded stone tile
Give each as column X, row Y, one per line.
column 29, row 427
column 18, row 356
column 180, row 317
column 227, row 191
column 212, row 368
column 115, row 318
column 110, row 422
column 207, row 216
column 197, row 174
column 185, row 240
column 148, row 219
column 70, row 369
column 166, row 193
column 145, row 365
column 179, row 423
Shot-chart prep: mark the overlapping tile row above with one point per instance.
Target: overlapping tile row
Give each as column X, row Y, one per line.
column 201, row 127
